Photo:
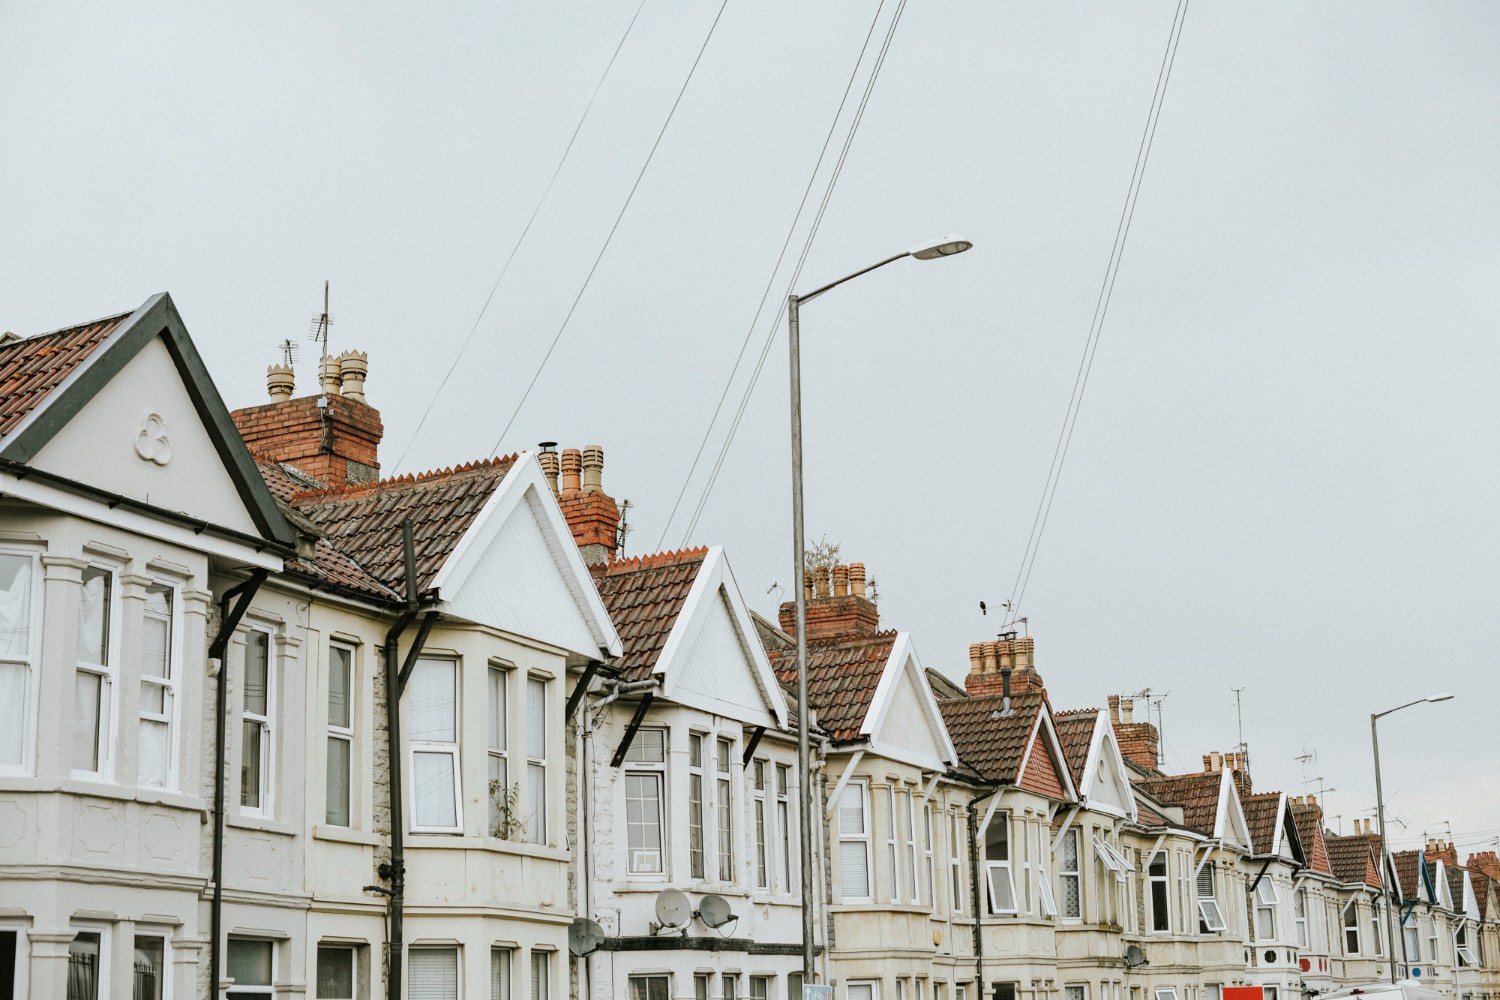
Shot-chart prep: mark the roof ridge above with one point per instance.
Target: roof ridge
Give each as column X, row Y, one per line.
column 340, row 491
column 651, row 560
column 112, row 317
column 1059, row 713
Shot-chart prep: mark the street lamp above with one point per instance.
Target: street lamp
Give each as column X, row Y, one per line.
column 946, row 246
column 1390, row 939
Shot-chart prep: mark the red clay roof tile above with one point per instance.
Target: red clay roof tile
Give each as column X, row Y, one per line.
column 644, row 595
column 1197, row 794
column 842, row 675
column 992, row 746
column 1352, row 859
column 32, row 367
column 1075, row 731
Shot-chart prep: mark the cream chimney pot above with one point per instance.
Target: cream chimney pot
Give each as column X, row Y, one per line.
column 280, row 382
column 353, row 367
column 593, row 469
column 548, row 461
column 857, row 579
column 572, row 463
column 1114, row 708
column 1127, row 709
column 329, row 375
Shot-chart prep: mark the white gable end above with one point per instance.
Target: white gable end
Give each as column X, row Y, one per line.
column 906, row 726
column 716, row 674
column 713, row 659
column 511, row 574
column 140, row 435
column 1104, row 781
column 903, row 721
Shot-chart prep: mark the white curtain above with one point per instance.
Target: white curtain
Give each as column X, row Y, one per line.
column 432, row 974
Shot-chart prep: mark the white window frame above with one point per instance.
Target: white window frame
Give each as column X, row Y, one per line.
column 267, row 723
column 1045, row 899
column 1349, row 919
column 1165, row 993
column 1152, row 880
column 1113, row 859
column 724, row 809
column 956, row 841
column 1071, row 875
column 23, row 722
column 104, row 969
column 538, row 773
column 449, row 949
column 168, row 716
column 1411, row 939
column 784, row 786
column 630, row 981
column 1377, row 935
column 507, row 984
column 698, row 744
column 1430, row 923
column 343, row 946
column 501, row 821
column 540, row 960
column 257, row 990
column 759, row 769
column 1267, row 901
column 1076, row 991
column 335, row 733
column 439, row 748
column 994, row 866
column 929, row 859
column 892, row 851
column 1462, row 953
column 1300, row 933
column 108, row 675
column 1209, row 914
column 640, row 768
column 862, row 985
column 906, row 829
column 861, row 789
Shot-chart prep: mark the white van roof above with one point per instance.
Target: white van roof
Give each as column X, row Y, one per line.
column 1385, row 991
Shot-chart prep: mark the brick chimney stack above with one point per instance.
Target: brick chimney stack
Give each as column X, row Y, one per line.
column 1486, row 863
column 591, row 513
column 842, row 609
column 333, row 436
column 988, row 660
column 1139, row 742
column 1442, row 849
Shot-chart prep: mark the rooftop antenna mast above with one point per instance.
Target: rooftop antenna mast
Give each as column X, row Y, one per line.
column 320, row 324
column 288, row 349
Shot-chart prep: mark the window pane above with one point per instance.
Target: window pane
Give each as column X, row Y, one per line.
column 648, row 747
column 88, row 695
column 15, row 605
column 250, row 962
column 153, row 752
column 536, row 718
column 432, row 974
column 498, row 726
column 432, row 701
column 854, row 869
column 257, row 671
column 852, row 810
column 338, row 781
column 501, row 806
column 150, row 955
column 432, row 777
column 861, row 991
column 539, row 979
column 13, row 684
column 250, row 757
column 536, row 804
column 83, row 967
column 648, row 988
column 93, row 616
column 335, row 973
column 340, row 666
column 499, row 974
column 156, row 639
column 695, row 825
column 643, row 822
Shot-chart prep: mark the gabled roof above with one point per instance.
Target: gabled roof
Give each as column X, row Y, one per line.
column 1410, row 876
column 681, row 616
column 1075, row 731
column 1273, row 832
column 1309, row 819
column 1209, row 801
column 32, row 367
column 364, row 520
column 1020, row 748
column 1352, row 859
column 46, row 381
column 1095, row 763
column 645, row 595
column 842, row 675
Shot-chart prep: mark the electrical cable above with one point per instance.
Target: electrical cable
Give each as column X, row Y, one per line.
column 1101, row 310
column 522, row 238
column 770, row 281
column 609, row 238
column 802, row 259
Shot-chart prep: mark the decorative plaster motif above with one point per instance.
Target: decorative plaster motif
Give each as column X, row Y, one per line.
column 151, row 441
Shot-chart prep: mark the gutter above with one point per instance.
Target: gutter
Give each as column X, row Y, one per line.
column 229, row 620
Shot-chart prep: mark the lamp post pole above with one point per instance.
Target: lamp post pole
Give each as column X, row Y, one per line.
column 945, row 247
column 1385, row 851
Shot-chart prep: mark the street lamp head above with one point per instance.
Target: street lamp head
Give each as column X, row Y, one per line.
column 1445, row 696
column 943, row 246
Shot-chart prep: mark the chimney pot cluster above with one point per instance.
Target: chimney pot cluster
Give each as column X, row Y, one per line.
column 592, row 514
column 836, row 603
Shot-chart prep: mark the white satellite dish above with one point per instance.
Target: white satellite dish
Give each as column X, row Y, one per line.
column 714, row 911
column 584, row 936
column 673, row 909
column 1135, row 957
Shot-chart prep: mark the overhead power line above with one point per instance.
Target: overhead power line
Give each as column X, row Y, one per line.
column 522, row 238
column 1101, row 310
column 775, row 326
column 612, row 229
column 771, row 279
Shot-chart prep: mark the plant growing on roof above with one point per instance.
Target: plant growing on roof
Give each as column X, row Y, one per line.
column 820, row 553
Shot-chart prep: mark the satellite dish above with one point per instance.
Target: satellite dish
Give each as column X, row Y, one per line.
column 714, row 911
column 673, row 909
column 584, row 936
column 1135, row 957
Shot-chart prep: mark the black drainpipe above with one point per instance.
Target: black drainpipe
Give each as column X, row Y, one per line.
column 395, row 681
column 229, row 620
column 974, row 891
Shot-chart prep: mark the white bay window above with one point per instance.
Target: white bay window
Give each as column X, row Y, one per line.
column 338, row 778
column 645, row 798
column 95, row 674
column 257, row 724
column 854, row 843
column 157, row 747
column 18, row 657
column 432, row 707
column 536, row 760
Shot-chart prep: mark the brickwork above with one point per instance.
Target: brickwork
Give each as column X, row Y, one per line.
column 1041, row 775
column 1139, row 742
column 336, row 444
column 988, row 662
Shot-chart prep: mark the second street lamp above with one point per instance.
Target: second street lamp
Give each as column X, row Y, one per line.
column 1385, row 847
column 946, row 246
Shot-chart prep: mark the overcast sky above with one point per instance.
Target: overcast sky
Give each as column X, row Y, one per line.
column 1285, row 474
